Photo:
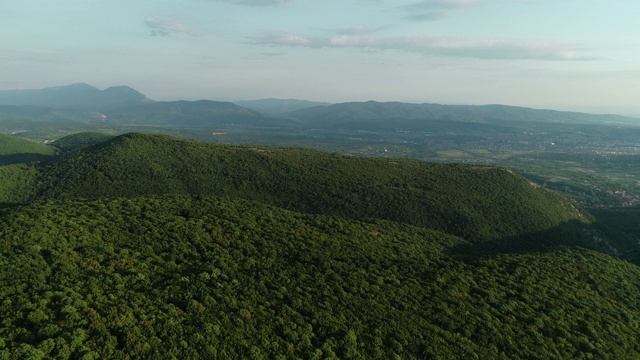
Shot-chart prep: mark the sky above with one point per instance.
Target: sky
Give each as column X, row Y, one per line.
column 581, row 55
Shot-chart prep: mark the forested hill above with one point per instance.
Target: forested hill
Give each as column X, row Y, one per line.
column 79, row 141
column 480, row 203
column 148, row 246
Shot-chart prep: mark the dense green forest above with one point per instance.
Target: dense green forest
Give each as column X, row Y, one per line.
column 17, row 184
column 148, row 246
column 183, row 276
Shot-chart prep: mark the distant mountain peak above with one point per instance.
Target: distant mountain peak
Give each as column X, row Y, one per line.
column 72, row 87
column 121, row 88
column 79, row 85
column 79, row 96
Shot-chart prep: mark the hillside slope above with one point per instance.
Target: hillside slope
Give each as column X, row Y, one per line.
column 481, row 203
column 204, row 277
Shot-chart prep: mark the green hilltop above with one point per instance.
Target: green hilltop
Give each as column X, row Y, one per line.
column 481, row 203
column 79, row 141
column 148, row 246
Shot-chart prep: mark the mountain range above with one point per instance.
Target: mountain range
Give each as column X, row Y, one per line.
column 123, row 106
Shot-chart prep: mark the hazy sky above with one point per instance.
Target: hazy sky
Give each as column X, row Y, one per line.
column 561, row 54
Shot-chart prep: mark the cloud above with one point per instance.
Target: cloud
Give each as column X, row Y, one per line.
column 436, row 45
column 428, row 16
column 256, row 2
column 440, row 5
column 286, row 40
column 361, row 30
column 166, row 27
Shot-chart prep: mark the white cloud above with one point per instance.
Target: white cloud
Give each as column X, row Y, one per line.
column 165, row 27
column 437, row 45
column 286, row 40
column 344, row 40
